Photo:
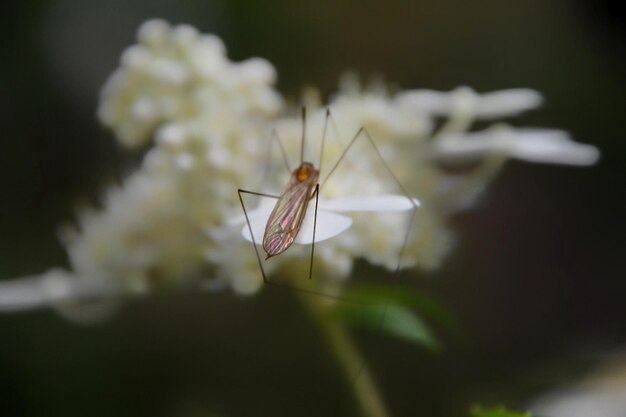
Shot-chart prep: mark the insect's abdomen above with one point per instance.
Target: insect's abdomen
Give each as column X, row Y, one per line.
column 282, row 234
column 277, row 243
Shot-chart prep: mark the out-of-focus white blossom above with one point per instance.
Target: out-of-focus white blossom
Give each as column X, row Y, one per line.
column 532, row 145
column 600, row 394
column 493, row 105
column 178, row 74
column 207, row 123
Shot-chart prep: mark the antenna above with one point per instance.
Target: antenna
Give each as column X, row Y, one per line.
column 303, row 134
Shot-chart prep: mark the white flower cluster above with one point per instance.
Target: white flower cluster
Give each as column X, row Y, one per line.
column 208, row 117
column 208, row 122
column 177, row 75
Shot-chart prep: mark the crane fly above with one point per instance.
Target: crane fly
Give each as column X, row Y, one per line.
column 288, row 217
column 285, row 221
column 288, row 223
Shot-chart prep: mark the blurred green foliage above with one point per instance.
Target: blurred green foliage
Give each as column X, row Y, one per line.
column 496, row 412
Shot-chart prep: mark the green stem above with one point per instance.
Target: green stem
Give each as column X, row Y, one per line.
column 355, row 369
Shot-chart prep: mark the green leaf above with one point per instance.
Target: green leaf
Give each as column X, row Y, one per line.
column 392, row 319
column 368, row 293
column 496, row 412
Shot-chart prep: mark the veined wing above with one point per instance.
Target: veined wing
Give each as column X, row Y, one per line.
column 286, row 218
column 329, row 225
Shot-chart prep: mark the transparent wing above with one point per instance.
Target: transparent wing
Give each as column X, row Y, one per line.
column 286, row 219
column 265, row 207
column 328, row 225
column 257, row 223
column 384, row 202
column 289, row 208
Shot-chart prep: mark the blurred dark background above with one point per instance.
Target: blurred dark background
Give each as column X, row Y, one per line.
column 536, row 280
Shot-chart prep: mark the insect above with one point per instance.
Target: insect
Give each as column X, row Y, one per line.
column 287, row 220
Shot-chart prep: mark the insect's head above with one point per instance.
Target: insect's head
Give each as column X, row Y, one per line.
column 304, row 171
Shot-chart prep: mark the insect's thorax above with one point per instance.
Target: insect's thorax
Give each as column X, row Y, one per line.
column 305, row 171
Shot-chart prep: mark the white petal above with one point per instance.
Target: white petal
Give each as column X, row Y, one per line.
column 153, row 32
column 328, row 225
column 553, row 146
column 533, row 145
column 469, row 145
column 263, row 210
column 51, row 288
column 428, row 101
column 23, row 294
column 370, row 203
column 507, row 102
column 485, row 106
column 257, row 224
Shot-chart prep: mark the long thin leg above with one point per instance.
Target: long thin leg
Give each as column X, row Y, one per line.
column 333, row 123
column 363, row 132
column 283, row 153
column 319, row 165
column 260, row 261
column 267, row 171
column 245, row 213
column 303, row 134
column 241, row 190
